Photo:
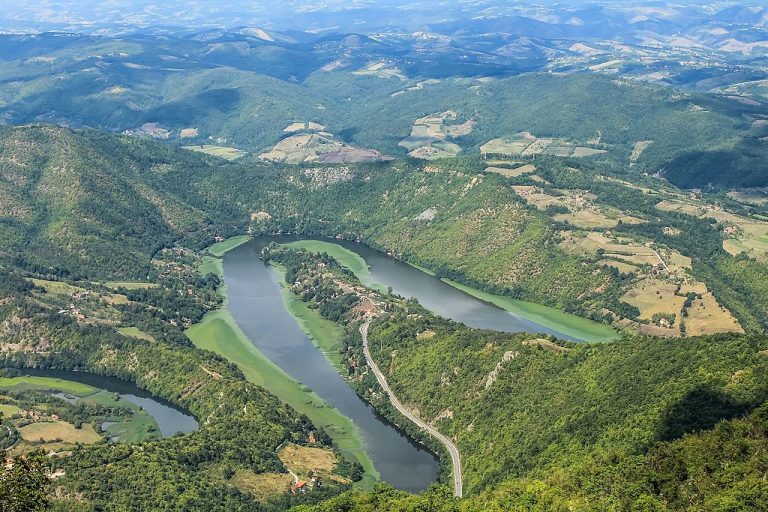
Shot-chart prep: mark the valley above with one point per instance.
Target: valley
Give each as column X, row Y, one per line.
column 384, row 255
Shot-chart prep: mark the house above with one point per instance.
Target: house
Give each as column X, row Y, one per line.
column 301, row 486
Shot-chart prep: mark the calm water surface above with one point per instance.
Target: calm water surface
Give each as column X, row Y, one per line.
column 170, row 419
column 256, row 303
column 434, row 294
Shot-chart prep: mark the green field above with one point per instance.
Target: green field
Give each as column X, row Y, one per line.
column 136, row 333
column 220, row 151
column 56, row 287
column 129, row 285
column 571, row 325
column 7, row 410
column 67, row 386
column 221, row 248
column 211, row 265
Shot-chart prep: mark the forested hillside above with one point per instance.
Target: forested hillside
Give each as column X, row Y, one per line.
column 538, row 421
column 594, row 171
column 576, row 242
column 239, row 91
column 547, row 422
column 719, row 469
column 69, row 200
column 241, row 425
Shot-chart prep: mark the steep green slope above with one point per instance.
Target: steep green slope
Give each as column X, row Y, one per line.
column 73, row 198
column 70, row 199
column 558, row 425
column 720, row 469
column 600, row 426
column 241, row 425
column 516, row 406
column 470, row 228
column 89, row 204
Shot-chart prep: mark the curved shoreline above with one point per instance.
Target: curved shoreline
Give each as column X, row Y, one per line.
column 569, row 325
column 458, row 483
column 219, row 333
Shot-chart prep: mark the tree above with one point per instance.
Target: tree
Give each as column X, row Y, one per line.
column 24, row 484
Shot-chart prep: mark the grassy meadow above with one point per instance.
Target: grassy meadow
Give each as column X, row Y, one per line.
column 571, row 325
column 220, row 151
column 30, row 382
column 221, row 248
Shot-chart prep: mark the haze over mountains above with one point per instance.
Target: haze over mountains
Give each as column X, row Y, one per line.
column 596, row 171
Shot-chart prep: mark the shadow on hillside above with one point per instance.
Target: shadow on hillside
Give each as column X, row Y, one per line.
column 700, row 409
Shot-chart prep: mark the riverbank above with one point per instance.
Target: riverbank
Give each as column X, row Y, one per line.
column 573, row 326
column 140, row 425
column 219, row 333
column 453, row 451
column 324, row 334
column 346, row 258
column 29, row 381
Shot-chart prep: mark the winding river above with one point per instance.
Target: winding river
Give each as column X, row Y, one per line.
column 450, row 302
column 255, row 301
column 170, row 420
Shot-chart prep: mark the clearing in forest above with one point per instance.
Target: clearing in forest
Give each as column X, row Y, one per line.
column 300, row 126
column 263, row 485
column 429, row 136
column 661, row 287
column 637, row 150
column 59, row 431
column 662, row 305
column 742, row 234
column 318, row 147
column 579, row 207
column 513, row 172
column 754, row 196
column 380, row 69
column 528, row 145
column 306, row 460
column 220, row 151
column 135, row 332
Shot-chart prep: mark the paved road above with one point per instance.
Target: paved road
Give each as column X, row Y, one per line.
column 455, row 456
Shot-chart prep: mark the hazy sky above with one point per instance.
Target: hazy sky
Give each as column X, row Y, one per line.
column 114, row 16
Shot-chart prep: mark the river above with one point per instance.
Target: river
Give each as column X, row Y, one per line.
column 170, row 420
column 255, row 301
column 450, row 302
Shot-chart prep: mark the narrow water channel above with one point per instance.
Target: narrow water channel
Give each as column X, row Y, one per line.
column 256, row 303
column 435, row 294
column 170, row 420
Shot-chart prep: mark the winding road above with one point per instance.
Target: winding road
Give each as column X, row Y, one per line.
column 458, row 483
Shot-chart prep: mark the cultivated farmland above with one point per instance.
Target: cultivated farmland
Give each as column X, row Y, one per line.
column 528, row 145
column 430, row 134
column 220, row 151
